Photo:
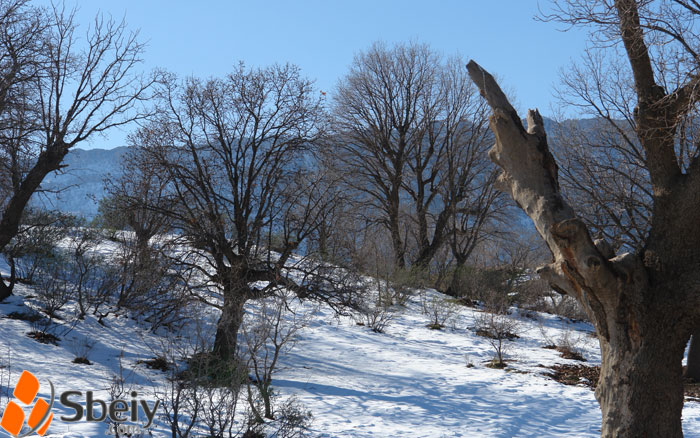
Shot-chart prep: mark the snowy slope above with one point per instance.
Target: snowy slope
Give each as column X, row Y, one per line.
column 407, row 382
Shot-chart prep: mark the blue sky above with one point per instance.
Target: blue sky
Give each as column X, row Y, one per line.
column 206, row 38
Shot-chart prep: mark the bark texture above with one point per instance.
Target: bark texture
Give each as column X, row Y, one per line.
column 637, row 302
column 228, row 326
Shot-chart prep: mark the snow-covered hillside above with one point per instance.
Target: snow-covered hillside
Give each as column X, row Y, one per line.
column 409, row 381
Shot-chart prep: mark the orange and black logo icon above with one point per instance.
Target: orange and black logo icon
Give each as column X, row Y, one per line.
column 40, row 415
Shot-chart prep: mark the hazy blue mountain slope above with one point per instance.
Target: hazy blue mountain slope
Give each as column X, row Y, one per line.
column 79, row 187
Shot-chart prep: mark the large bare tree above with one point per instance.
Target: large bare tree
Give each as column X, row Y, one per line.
column 601, row 161
column 378, row 114
column 644, row 303
column 411, row 133
column 235, row 153
column 57, row 91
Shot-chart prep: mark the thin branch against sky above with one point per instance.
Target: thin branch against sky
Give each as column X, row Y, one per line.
column 209, row 38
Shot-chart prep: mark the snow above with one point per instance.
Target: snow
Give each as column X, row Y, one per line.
column 409, row 381
column 412, row 381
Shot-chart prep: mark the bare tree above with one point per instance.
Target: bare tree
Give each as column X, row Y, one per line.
column 602, row 162
column 55, row 95
column 234, row 152
column 412, row 132
column 135, row 199
column 451, row 187
column 644, row 304
column 21, row 31
column 378, row 110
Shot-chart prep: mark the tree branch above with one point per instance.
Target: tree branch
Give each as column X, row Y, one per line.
column 651, row 114
column 580, row 267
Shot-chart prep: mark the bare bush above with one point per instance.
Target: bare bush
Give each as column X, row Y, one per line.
column 533, row 293
column 402, row 283
column 218, row 410
column 120, row 385
column 567, row 343
column 376, row 317
column 375, row 311
column 192, row 403
column 180, row 409
column 439, row 309
column 103, row 291
column 270, row 331
column 81, row 349
column 201, row 397
column 36, row 242
column 565, row 306
column 487, row 286
column 83, row 264
column 293, row 420
column 499, row 329
column 53, row 287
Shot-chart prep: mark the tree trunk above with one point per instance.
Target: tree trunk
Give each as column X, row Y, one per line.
column 267, row 399
column 455, row 287
column 393, row 210
column 226, row 340
column 48, row 161
column 693, row 369
column 642, row 305
column 6, row 289
column 396, row 241
column 640, row 389
column 428, row 248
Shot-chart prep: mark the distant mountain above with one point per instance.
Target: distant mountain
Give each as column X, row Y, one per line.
column 81, row 184
column 78, row 187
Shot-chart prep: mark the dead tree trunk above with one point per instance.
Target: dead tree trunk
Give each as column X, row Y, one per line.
column 639, row 310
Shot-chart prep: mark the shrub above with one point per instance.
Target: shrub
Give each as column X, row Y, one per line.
column 81, row 349
column 499, row 329
column 439, row 309
column 157, row 363
column 53, row 287
column 37, row 241
column 29, row 316
column 567, row 307
column 207, row 369
column 268, row 332
column 492, row 287
column 203, row 397
column 293, row 420
column 376, row 316
column 567, row 344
